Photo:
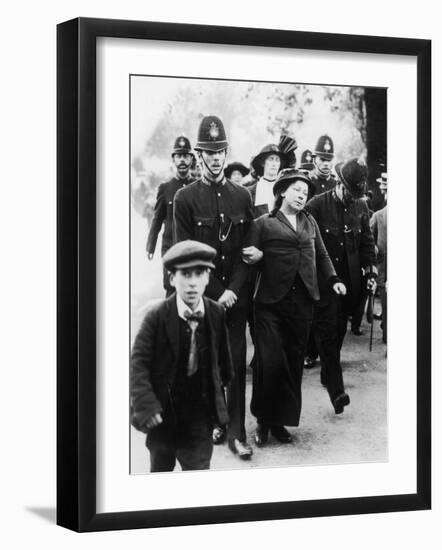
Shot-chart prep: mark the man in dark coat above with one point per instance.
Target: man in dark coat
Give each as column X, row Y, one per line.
column 180, row 363
column 217, row 212
column 182, row 158
column 343, row 220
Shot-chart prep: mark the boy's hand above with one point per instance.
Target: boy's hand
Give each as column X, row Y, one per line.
column 154, row 420
column 227, row 298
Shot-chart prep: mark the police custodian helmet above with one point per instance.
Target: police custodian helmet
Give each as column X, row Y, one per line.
column 324, row 148
column 182, row 146
column 211, row 135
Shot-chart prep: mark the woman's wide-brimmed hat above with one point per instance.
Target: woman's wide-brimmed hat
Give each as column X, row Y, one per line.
column 257, row 162
column 230, row 168
column 287, row 177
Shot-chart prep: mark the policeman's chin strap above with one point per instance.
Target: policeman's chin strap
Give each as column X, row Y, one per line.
column 216, row 178
column 321, row 172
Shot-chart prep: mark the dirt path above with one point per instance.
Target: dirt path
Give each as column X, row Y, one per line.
column 357, row 435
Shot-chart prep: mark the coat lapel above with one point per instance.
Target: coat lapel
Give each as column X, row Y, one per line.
column 171, row 321
column 286, row 222
column 209, row 311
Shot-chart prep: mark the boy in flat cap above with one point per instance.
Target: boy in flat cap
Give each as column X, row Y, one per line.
column 183, row 159
column 180, row 364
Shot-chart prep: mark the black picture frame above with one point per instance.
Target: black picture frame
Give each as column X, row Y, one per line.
column 76, row 273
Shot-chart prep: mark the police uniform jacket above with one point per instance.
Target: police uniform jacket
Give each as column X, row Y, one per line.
column 288, row 252
column 155, row 354
column 218, row 215
column 347, row 237
column 163, row 214
column 321, row 185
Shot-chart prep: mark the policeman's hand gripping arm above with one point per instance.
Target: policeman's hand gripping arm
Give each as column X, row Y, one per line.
column 251, row 255
column 227, row 298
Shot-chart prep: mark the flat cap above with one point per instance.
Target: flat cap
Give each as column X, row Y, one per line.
column 187, row 254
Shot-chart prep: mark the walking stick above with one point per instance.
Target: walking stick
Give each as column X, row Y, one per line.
column 371, row 300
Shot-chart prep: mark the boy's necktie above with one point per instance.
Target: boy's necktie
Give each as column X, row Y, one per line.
column 193, row 320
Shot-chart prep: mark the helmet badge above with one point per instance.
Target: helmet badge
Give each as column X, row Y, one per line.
column 327, row 146
column 213, row 130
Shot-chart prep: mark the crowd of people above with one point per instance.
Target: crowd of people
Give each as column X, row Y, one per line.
column 289, row 249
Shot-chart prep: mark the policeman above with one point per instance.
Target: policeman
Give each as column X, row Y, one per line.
column 322, row 180
column 307, row 161
column 321, row 175
column 182, row 158
column 218, row 212
column 343, row 220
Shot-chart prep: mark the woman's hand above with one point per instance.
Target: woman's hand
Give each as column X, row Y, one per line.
column 340, row 289
column 251, row 255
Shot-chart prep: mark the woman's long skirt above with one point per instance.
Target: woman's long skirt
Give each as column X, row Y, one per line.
column 281, row 336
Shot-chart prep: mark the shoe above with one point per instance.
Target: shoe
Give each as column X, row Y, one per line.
column 281, row 434
column 309, row 362
column 242, row 449
column 218, row 435
column 261, row 435
column 357, row 331
column 341, row 401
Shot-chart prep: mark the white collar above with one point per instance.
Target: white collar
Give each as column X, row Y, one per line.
column 182, row 307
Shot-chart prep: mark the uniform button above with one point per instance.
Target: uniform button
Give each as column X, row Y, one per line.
column 170, row 202
column 219, row 194
column 342, row 244
column 337, row 259
column 223, row 257
column 241, row 221
column 224, row 278
column 326, row 230
column 199, row 223
column 345, row 210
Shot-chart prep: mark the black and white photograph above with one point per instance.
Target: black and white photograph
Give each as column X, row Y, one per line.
column 258, row 274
